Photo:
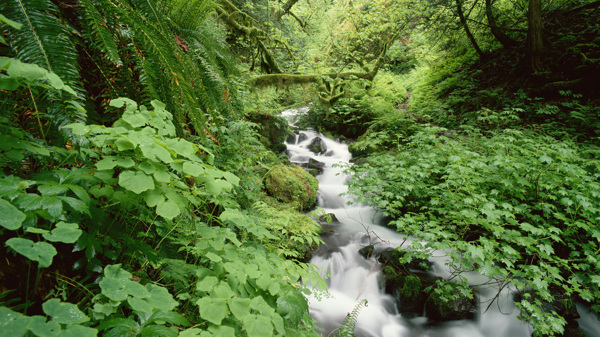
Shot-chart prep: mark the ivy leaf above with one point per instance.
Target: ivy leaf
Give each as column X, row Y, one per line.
column 213, row 310
column 64, row 232
column 64, row 313
column 137, row 182
column 41, row 252
column 10, row 216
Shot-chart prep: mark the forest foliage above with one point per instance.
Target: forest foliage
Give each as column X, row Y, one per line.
column 132, row 190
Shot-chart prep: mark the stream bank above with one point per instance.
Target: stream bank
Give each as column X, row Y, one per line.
column 352, row 277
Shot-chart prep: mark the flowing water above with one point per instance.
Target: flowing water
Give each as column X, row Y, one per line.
column 351, row 278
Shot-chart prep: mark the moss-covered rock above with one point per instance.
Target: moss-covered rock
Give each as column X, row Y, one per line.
column 367, row 251
column 273, row 129
column 291, row 184
column 317, row 145
column 411, row 287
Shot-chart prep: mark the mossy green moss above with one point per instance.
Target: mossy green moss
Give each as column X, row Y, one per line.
column 411, row 287
column 292, row 184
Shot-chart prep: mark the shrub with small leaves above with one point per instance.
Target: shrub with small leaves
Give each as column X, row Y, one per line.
column 514, row 205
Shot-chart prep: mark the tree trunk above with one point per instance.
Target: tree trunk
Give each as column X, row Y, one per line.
column 504, row 39
column 534, row 36
column 463, row 21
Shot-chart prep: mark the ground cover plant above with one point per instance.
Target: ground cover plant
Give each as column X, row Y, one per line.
column 514, row 205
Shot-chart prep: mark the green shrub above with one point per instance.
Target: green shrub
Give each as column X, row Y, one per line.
column 515, row 205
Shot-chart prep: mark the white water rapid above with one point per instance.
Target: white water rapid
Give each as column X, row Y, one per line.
column 351, row 278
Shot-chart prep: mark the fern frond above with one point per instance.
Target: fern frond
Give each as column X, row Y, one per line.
column 187, row 14
column 105, row 39
column 349, row 323
column 45, row 41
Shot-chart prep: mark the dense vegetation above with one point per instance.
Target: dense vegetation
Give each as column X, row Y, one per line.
column 140, row 161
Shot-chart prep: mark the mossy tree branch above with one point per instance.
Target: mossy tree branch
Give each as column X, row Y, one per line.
column 229, row 13
column 290, row 79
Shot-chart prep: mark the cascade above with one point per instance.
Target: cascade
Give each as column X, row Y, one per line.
column 350, row 277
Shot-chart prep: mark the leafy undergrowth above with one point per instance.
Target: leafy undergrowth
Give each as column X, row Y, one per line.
column 159, row 230
column 513, row 204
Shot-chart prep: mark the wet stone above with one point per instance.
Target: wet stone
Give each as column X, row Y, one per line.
column 317, row 145
column 302, row 137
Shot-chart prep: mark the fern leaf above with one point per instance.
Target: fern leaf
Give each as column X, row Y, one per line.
column 349, row 323
column 45, row 41
column 105, row 37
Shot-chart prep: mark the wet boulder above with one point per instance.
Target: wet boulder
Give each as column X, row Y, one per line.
column 327, row 219
column 317, row 145
column 302, row 137
column 396, row 258
column 367, row 251
column 291, row 139
column 450, row 305
column 291, row 184
column 314, row 167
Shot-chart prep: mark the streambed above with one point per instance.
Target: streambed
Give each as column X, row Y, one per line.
column 351, row 277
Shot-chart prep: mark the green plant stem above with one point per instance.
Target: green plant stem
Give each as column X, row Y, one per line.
column 37, row 114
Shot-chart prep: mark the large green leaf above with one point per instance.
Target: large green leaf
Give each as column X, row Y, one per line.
column 159, row 331
column 41, row 252
column 78, row 331
column 136, row 181
column 114, row 289
column 240, row 307
column 64, row 232
column 193, row 169
column 213, row 310
column 41, row 328
column 64, row 313
column 10, row 217
column 13, row 323
column 258, row 326
column 168, row 209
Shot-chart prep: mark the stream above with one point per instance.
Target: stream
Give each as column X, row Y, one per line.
column 350, row 277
